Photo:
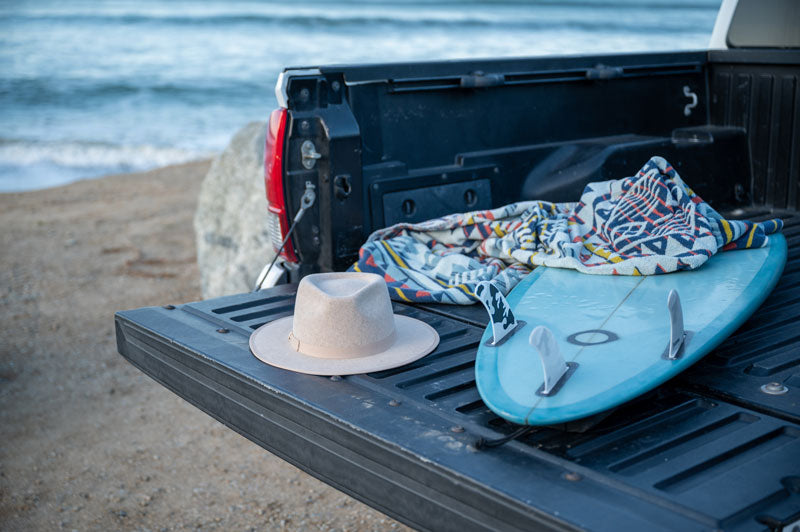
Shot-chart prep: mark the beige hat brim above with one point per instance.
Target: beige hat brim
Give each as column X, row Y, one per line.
column 414, row 339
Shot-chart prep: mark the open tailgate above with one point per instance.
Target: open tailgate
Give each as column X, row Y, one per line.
column 707, row 450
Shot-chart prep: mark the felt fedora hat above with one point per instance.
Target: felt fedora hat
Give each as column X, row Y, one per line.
column 343, row 324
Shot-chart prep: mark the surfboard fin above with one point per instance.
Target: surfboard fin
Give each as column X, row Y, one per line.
column 504, row 324
column 555, row 369
column 677, row 334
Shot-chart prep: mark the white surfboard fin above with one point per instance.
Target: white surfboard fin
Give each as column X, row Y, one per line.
column 677, row 334
column 503, row 322
column 556, row 370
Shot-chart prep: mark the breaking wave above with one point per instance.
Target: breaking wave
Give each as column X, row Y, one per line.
column 26, row 165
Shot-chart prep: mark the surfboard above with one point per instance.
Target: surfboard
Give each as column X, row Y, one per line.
column 611, row 338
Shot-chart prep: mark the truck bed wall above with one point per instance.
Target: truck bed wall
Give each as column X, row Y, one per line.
column 759, row 91
column 416, row 141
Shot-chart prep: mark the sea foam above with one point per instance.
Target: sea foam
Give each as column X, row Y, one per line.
column 25, row 165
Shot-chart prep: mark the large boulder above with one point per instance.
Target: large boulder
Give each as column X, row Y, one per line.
column 231, row 219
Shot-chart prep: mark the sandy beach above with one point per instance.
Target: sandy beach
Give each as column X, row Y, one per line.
column 88, row 441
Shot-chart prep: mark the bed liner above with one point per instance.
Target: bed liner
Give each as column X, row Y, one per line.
column 707, row 450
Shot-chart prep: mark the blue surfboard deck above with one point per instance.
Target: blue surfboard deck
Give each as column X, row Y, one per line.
column 625, row 360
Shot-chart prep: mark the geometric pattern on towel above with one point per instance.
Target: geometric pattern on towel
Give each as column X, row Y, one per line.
column 651, row 223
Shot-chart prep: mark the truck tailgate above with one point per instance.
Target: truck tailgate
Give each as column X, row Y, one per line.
column 708, row 450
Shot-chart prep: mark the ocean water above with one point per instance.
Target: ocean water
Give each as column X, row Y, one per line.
column 92, row 88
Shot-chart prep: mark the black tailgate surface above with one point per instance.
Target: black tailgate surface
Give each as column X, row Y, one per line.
column 708, row 450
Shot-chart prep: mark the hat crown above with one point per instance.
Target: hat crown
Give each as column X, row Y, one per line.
column 340, row 315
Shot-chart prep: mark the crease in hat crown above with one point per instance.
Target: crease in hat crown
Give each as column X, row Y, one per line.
column 342, row 315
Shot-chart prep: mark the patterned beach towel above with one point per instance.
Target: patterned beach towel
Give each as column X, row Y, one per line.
column 651, row 223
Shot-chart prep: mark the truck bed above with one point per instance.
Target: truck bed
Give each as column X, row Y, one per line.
column 707, row 450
